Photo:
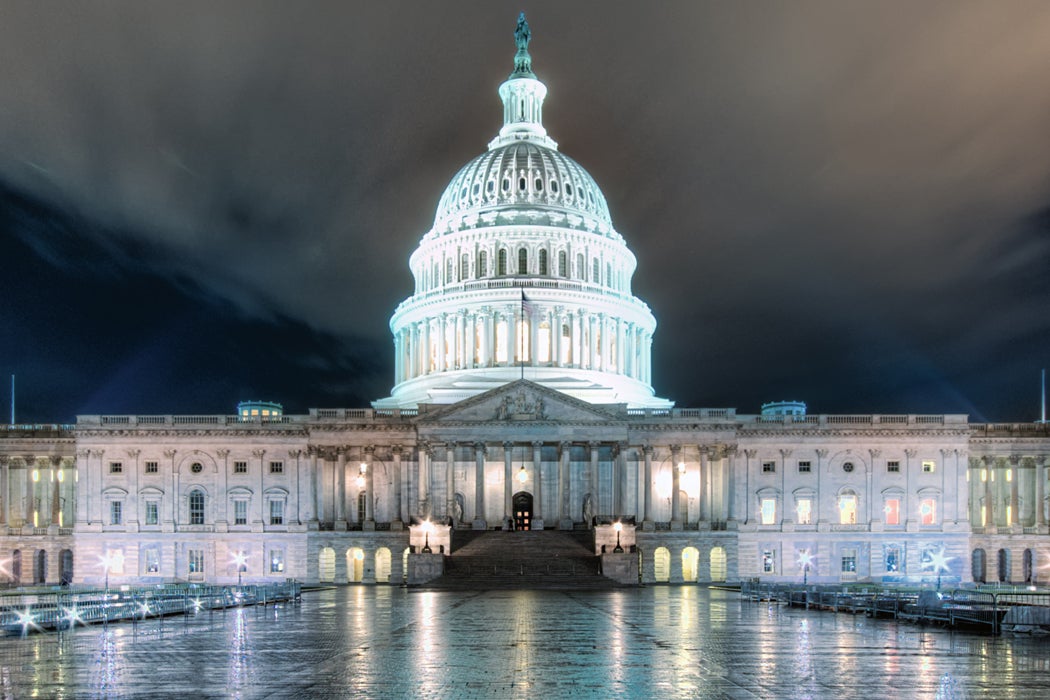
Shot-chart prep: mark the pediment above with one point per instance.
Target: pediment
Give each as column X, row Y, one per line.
column 523, row 401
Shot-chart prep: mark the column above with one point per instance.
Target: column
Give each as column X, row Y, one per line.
column 556, row 339
column 311, row 515
column 426, row 347
column 537, row 467
column 618, row 473
column 450, row 481
column 3, row 490
column 731, row 481
column 221, row 515
column 459, row 357
column 647, row 450
column 423, row 480
column 56, row 496
column 172, row 500
column 1015, row 478
column 508, row 480
column 30, row 505
column 534, row 335
column 370, row 497
column 606, row 345
column 594, row 476
column 564, row 515
column 705, row 476
column 395, row 456
column 592, row 334
column 989, row 510
column 259, row 514
column 479, row 486
column 436, row 450
column 1040, row 488
column 676, row 507
column 340, row 487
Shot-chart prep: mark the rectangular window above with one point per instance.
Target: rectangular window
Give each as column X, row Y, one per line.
column 240, row 467
column 847, row 510
column 152, row 467
column 804, row 508
column 929, row 466
column 769, row 562
column 893, row 466
column 240, row 512
column 196, row 558
column 928, row 511
column 892, row 509
column 116, row 512
column 893, row 559
column 803, row 467
column 849, row 561
column 276, row 512
column 152, row 512
column 151, row 563
column 196, row 507
column 769, row 511
column 769, row 467
column 276, row 467
column 276, row 561
column 116, row 467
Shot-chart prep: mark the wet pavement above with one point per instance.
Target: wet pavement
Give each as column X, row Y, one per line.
column 656, row 642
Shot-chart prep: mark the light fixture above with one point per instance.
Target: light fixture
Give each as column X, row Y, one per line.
column 364, row 467
column 618, row 526
column 522, row 475
column 360, row 481
column 681, row 467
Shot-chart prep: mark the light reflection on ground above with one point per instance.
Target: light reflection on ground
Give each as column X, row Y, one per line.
column 658, row 642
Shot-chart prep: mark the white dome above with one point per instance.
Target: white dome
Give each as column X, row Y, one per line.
column 521, row 174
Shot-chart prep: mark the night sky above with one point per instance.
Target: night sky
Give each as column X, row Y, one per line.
column 842, row 203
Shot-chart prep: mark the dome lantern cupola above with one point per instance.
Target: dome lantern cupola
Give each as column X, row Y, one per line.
column 522, row 96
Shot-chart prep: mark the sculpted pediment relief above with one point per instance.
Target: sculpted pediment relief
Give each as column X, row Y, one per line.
column 523, row 401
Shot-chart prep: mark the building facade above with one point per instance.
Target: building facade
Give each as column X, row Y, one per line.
column 522, row 398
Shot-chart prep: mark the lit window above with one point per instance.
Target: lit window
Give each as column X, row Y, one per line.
column 804, row 467
column 805, row 511
column 240, row 512
column 893, row 511
column 769, row 562
column 769, row 467
column 196, row 507
column 276, row 561
column 847, row 509
column 196, row 559
column 116, row 467
column 151, row 563
column 928, row 465
column 152, row 512
column 928, row 511
column 276, row 512
column 893, row 466
column 116, row 513
column 893, row 559
column 769, row 511
column 276, row 467
column 151, row 467
column 849, row 561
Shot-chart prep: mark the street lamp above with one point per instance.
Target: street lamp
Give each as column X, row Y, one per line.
column 427, row 526
column 805, row 560
column 618, row 526
column 939, row 562
column 241, row 560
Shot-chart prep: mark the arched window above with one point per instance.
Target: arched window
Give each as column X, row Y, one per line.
column 196, row 507
column 563, row 264
column 464, row 267
column 596, row 272
column 543, row 262
column 847, row 507
column 501, row 262
column 523, row 261
column 579, row 267
column 483, row 264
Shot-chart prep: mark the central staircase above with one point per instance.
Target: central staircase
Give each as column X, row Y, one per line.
column 543, row 559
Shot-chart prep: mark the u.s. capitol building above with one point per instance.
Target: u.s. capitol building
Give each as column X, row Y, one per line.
column 522, row 399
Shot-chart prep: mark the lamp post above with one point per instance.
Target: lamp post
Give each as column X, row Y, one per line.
column 241, row 560
column 618, row 526
column 805, row 560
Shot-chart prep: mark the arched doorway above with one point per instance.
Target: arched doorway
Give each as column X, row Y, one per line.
column 382, row 565
column 718, row 564
column 326, row 565
column 40, row 566
column 1004, row 565
column 522, row 510
column 978, row 565
column 661, row 565
column 1029, row 565
column 65, row 567
column 690, row 564
column 355, row 565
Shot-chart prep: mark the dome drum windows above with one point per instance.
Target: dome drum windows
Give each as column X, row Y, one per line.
column 523, row 261
column 543, row 262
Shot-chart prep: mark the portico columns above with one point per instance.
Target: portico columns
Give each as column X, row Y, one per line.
column 989, row 508
column 311, row 516
column 479, row 486
column 594, row 475
column 647, row 450
column 369, row 482
column 340, row 486
column 508, row 480
column 676, row 506
column 30, row 461
column 450, row 481
column 423, row 479
column 1040, row 488
column 537, row 466
column 1015, row 478
column 396, row 459
column 564, row 450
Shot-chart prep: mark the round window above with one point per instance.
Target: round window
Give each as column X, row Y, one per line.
column 847, row 467
column 197, row 468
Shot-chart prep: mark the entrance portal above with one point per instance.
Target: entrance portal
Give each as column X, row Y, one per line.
column 522, row 511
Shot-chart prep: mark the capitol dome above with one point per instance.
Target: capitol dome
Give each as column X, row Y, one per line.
column 522, row 275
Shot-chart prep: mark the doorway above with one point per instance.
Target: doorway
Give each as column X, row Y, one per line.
column 522, row 511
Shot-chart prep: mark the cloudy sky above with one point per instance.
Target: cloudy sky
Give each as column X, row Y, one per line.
column 843, row 203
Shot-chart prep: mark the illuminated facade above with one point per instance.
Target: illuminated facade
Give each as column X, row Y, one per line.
column 523, row 391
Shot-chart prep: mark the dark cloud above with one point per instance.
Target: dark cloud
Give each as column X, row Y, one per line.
column 837, row 202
